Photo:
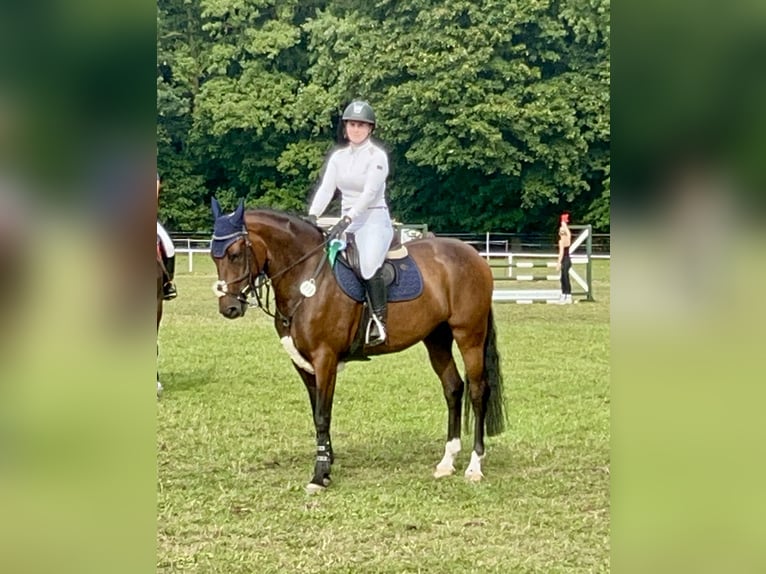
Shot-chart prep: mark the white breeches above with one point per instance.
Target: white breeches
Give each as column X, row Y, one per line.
column 167, row 243
column 373, row 232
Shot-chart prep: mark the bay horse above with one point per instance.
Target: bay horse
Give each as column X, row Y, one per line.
column 256, row 251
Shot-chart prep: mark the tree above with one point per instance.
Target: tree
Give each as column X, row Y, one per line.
column 496, row 113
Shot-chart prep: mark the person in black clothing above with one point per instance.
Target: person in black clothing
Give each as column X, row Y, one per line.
column 564, row 262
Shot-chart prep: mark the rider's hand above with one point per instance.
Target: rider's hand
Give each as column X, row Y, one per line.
column 339, row 227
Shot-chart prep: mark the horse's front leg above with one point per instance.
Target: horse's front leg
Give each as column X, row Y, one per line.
column 326, row 372
column 310, row 382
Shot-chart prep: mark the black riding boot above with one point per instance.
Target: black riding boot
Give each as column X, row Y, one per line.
column 169, row 288
column 376, row 291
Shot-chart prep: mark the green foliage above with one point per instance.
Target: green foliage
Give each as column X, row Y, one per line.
column 495, row 113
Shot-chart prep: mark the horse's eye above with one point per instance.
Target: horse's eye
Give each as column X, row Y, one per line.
column 234, row 256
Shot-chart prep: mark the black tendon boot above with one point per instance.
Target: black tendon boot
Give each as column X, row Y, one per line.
column 169, row 289
column 376, row 291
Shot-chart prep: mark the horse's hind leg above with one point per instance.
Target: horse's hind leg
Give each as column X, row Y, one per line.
column 439, row 345
column 472, row 348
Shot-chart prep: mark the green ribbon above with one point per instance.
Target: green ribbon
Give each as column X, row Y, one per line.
column 335, row 246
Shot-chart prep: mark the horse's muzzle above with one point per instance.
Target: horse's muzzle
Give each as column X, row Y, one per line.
column 231, row 310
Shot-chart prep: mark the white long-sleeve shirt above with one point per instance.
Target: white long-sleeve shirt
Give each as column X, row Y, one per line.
column 360, row 173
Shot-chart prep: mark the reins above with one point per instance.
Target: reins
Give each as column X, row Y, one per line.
column 302, row 259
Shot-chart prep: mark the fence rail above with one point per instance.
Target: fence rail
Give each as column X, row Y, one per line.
column 527, row 242
column 490, row 245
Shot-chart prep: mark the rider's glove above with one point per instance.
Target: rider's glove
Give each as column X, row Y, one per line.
column 337, row 229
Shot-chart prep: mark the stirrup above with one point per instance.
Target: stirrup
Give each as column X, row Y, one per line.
column 375, row 338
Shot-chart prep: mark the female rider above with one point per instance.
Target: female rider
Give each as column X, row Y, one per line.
column 359, row 170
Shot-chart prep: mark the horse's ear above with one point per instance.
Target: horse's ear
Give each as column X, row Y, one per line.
column 216, row 208
column 240, row 211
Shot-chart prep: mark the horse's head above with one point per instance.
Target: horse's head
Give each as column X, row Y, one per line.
column 231, row 252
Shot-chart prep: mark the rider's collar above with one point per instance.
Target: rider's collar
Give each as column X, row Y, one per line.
column 364, row 145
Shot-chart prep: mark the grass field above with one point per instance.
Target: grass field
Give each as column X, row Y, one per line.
column 236, row 447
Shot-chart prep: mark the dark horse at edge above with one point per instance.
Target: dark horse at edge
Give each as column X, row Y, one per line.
column 160, row 282
column 259, row 250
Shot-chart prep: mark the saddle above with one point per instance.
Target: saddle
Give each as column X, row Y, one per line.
column 395, row 251
column 401, row 275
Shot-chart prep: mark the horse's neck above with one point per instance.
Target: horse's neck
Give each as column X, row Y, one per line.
column 286, row 251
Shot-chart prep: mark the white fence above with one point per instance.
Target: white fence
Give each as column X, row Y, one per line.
column 580, row 255
column 191, row 246
column 492, row 250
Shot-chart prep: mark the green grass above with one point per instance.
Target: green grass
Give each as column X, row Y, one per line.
column 236, row 447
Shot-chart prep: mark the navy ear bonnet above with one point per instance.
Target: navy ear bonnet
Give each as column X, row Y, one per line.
column 227, row 228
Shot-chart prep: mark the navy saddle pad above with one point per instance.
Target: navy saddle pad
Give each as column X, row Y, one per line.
column 403, row 279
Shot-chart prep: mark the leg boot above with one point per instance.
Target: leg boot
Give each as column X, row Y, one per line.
column 376, row 292
column 169, row 289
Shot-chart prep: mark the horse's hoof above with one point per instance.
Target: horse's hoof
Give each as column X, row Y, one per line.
column 312, row 488
column 441, row 472
column 473, row 476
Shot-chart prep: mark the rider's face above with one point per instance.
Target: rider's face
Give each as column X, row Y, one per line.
column 357, row 132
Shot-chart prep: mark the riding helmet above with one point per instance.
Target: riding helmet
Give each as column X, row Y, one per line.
column 359, row 111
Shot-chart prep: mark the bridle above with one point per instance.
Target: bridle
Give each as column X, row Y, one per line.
column 259, row 285
column 221, row 287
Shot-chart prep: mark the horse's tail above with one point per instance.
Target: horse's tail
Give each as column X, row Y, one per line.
column 495, row 418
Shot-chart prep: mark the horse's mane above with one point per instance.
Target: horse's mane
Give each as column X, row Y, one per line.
column 291, row 216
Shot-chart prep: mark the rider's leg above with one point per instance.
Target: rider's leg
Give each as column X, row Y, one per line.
column 169, row 259
column 376, row 291
column 373, row 237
